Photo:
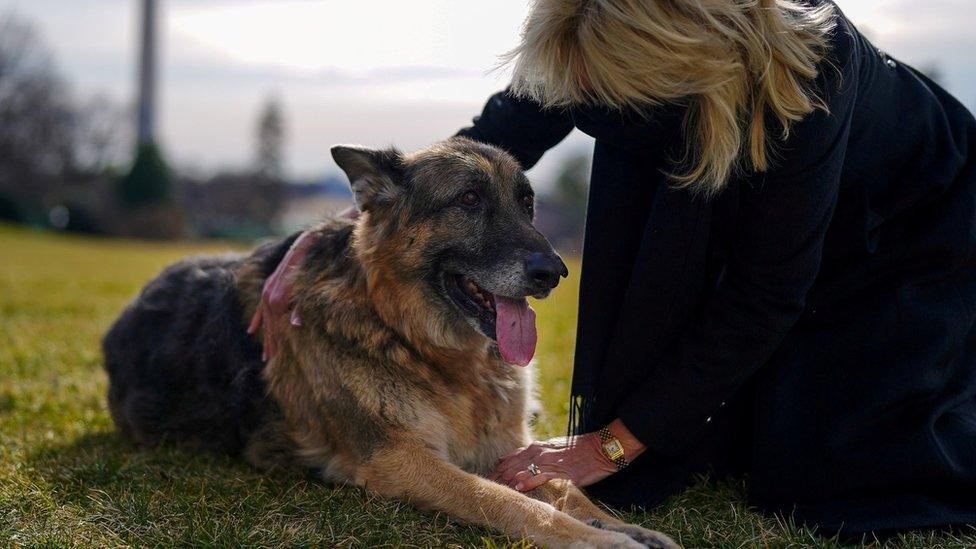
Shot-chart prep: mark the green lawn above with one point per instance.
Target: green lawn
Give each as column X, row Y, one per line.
column 66, row 478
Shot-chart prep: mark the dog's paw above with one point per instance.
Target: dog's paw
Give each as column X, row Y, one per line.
column 643, row 536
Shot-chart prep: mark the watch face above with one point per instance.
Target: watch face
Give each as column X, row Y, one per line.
column 613, row 448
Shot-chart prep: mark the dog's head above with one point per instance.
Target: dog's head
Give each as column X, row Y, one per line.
column 448, row 235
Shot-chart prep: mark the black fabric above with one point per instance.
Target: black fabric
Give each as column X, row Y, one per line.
column 830, row 301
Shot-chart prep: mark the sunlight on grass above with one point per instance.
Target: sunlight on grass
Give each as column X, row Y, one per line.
column 67, row 479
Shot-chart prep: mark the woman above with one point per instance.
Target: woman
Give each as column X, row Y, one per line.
column 778, row 272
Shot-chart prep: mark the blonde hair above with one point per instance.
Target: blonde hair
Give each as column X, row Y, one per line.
column 730, row 61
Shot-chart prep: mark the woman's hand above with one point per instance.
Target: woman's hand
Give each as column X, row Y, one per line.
column 579, row 459
column 274, row 313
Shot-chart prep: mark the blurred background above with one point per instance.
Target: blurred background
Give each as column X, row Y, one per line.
column 213, row 118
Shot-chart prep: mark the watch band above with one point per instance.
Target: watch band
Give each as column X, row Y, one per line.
column 605, row 438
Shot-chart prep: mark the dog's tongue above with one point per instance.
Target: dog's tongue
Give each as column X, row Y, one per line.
column 515, row 330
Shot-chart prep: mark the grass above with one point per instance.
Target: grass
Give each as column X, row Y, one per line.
column 67, row 479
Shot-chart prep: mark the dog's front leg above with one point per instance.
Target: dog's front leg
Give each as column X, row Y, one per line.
column 568, row 498
column 413, row 472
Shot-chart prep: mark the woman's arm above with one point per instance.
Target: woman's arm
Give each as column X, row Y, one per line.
column 520, row 126
column 579, row 458
column 775, row 257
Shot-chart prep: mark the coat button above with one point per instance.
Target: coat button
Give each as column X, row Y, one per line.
column 722, row 405
column 891, row 63
column 708, row 419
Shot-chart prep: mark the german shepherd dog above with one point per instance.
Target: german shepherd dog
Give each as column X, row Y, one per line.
column 399, row 379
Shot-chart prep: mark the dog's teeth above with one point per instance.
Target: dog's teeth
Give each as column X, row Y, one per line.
column 486, row 298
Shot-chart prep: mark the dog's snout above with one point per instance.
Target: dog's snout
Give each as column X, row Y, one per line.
column 545, row 269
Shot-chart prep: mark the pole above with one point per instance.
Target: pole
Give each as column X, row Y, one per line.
column 147, row 74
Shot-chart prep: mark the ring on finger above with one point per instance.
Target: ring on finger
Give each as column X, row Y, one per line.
column 534, row 469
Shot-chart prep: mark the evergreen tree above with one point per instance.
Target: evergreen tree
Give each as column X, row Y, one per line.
column 149, row 180
column 270, row 140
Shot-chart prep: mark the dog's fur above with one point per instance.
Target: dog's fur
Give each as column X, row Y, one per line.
column 388, row 383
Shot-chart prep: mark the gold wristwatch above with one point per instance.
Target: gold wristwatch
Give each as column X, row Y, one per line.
column 612, row 448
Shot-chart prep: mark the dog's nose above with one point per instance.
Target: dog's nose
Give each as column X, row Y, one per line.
column 545, row 269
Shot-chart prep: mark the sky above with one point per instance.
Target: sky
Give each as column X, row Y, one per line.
column 377, row 72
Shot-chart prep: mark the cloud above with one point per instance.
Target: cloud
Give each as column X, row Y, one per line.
column 235, row 74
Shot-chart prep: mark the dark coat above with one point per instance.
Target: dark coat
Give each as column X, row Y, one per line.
column 811, row 326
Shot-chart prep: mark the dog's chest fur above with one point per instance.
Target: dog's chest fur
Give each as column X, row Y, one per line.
column 497, row 411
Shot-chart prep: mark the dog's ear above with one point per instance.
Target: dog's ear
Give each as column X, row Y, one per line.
column 375, row 176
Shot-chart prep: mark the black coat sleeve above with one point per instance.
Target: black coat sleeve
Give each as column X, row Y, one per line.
column 520, row 126
column 774, row 257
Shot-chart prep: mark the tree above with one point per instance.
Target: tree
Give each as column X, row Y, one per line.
column 102, row 135
column 270, row 140
column 36, row 117
column 572, row 184
column 560, row 214
column 149, row 181
column 57, row 154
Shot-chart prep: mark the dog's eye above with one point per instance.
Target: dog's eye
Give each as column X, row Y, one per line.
column 529, row 202
column 469, row 199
